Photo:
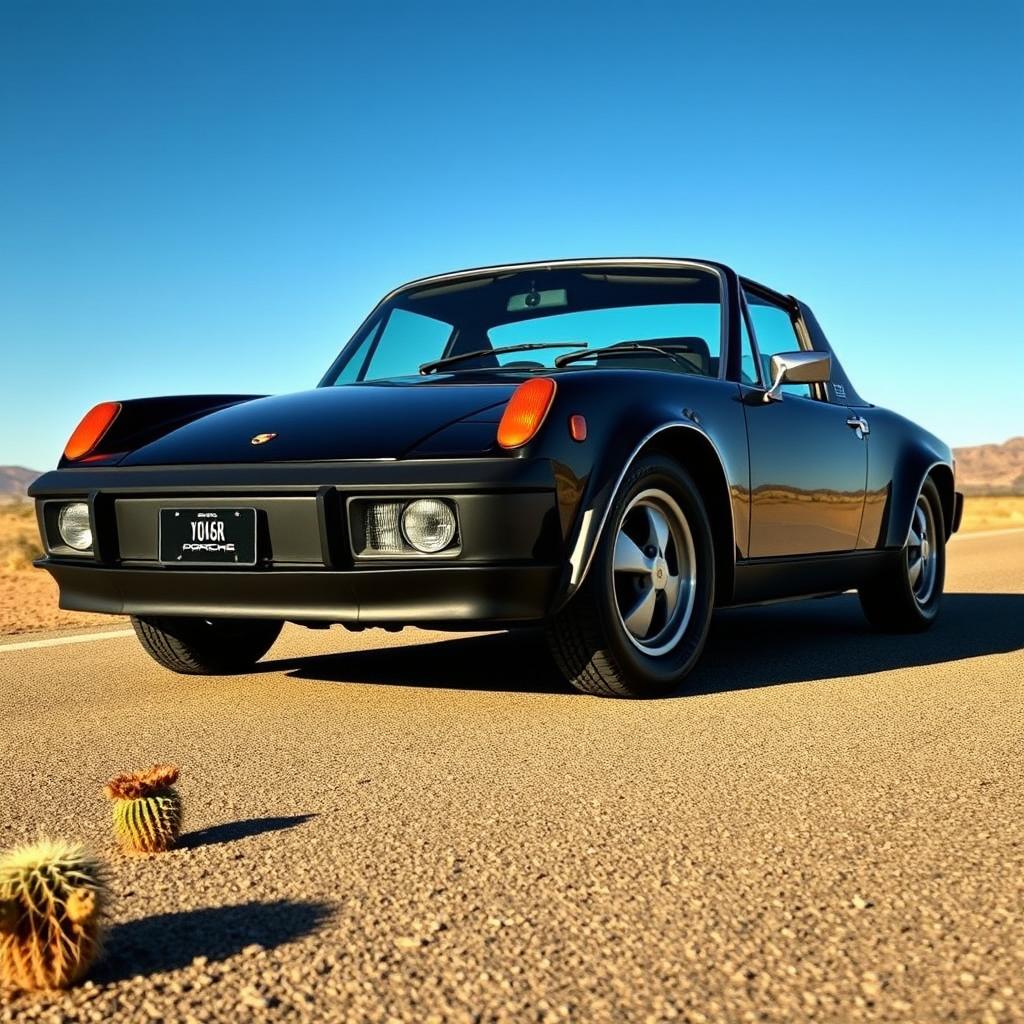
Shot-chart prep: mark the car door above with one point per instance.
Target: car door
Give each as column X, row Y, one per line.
column 808, row 466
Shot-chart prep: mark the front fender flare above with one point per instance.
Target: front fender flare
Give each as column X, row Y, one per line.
column 604, row 485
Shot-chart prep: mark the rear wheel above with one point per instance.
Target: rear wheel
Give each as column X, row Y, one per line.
column 906, row 597
column 206, row 646
column 639, row 622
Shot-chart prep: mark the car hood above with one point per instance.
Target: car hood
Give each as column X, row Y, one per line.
column 383, row 420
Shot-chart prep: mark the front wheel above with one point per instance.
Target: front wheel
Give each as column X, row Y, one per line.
column 206, row 647
column 638, row 624
column 905, row 598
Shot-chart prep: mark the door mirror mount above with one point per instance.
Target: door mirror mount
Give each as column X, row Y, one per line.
column 798, row 368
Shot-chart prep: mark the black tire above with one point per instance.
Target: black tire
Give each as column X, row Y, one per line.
column 898, row 602
column 589, row 640
column 206, row 647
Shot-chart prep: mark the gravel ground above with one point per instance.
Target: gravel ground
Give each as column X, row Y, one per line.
column 28, row 604
column 426, row 828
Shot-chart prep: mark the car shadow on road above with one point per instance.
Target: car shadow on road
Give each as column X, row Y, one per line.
column 230, row 831
column 803, row 641
column 167, row 942
column 799, row 641
column 497, row 662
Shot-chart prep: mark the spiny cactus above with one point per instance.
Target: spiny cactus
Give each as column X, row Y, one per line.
column 147, row 809
column 51, row 904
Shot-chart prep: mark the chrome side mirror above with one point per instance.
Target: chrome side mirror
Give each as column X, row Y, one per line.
column 798, row 368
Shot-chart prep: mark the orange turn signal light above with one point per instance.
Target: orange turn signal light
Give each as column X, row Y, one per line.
column 525, row 411
column 95, row 423
column 577, row 428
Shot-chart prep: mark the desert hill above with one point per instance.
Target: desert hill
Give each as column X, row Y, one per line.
column 991, row 468
column 14, row 481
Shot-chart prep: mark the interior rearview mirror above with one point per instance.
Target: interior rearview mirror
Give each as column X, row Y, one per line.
column 798, row 368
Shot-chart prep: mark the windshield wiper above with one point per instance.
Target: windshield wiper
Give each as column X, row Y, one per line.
column 448, row 360
column 623, row 348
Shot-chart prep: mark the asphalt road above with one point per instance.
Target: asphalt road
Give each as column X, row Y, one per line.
column 829, row 826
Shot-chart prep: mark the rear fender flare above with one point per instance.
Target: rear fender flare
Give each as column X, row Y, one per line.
column 905, row 499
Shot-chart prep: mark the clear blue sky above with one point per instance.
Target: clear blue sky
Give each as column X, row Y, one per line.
column 209, row 196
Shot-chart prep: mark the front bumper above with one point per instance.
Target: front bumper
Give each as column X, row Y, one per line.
column 448, row 596
column 507, row 570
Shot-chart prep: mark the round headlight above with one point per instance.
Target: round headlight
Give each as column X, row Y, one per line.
column 73, row 524
column 428, row 525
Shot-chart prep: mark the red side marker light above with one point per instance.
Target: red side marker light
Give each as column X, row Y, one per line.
column 577, row 427
column 88, row 434
column 525, row 412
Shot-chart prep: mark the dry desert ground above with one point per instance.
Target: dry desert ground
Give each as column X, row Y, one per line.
column 825, row 826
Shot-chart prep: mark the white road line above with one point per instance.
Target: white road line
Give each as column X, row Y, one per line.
column 988, row 533
column 57, row 641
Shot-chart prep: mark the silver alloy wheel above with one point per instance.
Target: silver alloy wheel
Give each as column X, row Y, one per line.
column 922, row 564
column 654, row 572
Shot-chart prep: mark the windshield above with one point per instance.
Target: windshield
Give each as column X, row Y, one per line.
column 677, row 309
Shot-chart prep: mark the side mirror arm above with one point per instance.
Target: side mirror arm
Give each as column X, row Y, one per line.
column 774, row 393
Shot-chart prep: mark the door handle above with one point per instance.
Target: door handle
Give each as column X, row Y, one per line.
column 859, row 424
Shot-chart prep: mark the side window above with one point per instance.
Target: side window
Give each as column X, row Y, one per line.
column 775, row 333
column 407, row 341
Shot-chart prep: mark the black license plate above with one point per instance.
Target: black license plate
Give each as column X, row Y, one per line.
column 208, row 536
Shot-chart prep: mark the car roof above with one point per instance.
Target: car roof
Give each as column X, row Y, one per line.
column 560, row 264
column 588, row 261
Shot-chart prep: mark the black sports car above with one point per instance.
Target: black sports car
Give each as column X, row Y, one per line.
column 607, row 448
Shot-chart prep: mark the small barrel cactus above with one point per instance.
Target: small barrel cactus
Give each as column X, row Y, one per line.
column 147, row 809
column 51, row 905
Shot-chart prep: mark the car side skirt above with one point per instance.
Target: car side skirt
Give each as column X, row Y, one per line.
column 761, row 580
